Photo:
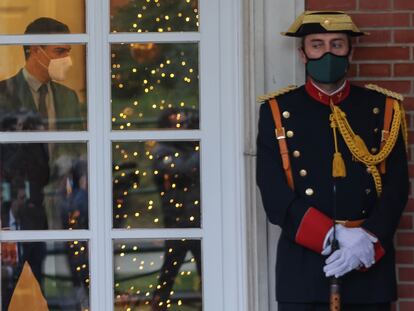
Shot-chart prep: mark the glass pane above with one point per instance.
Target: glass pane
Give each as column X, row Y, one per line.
column 17, row 15
column 39, row 274
column 156, row 184
column 48, row 88
column 157, row 275
column 151, row 82
column 154, row 16
column 44, row 186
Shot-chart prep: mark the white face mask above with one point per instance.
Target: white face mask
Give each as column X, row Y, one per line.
column 58, row 67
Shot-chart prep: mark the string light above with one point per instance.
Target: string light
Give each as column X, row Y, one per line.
column 147, row 79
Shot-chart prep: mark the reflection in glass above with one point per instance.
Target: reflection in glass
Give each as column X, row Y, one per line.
column 156, row 184
column 154, row 16
column 148, row 78
column 162, row 275
column 44, row 86
column 57, row 271
column 17, row 14
column 44, row 186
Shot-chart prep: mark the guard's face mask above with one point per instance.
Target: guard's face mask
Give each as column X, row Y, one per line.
column 329, row 68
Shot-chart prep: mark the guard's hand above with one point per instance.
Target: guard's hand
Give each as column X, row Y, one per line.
column 341, row 262
column 360, row 243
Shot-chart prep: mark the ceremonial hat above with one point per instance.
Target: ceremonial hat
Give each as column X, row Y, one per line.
column 310, row 22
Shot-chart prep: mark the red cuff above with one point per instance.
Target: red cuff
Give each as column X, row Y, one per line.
column 379, row 253
column 313, row 229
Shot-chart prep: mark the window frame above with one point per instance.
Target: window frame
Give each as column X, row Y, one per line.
column 222, row 235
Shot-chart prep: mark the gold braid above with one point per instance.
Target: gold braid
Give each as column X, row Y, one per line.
column 358, row 148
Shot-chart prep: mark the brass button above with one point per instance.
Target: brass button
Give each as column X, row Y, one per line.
column 376, row 110
column 309, row 191
column 296, row 153
column 289, row 134
column 374, row 150
column 367, row 191
column 303, row 173
column 286, row 114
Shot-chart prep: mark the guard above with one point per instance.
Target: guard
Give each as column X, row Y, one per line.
column 332, row 171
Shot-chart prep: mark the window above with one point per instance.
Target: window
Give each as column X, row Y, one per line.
column 110, row 169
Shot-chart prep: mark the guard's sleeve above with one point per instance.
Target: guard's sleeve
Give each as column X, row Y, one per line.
column 385, row 216
column 304, row 224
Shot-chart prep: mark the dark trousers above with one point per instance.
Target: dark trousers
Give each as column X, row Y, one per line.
column 325, row 307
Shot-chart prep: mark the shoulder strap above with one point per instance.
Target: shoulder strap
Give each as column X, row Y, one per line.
column 386, row 129
column 281, row 138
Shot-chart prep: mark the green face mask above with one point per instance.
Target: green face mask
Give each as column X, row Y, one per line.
column 329, row 68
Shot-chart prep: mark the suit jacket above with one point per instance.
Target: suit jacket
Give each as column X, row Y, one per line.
column 15, row 94
column 305, row 213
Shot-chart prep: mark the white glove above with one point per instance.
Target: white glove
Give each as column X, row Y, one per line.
column 340, row 262
column 360, row 243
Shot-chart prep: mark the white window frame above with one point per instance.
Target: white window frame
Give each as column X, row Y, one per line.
column 271, row 63
column 221, row 136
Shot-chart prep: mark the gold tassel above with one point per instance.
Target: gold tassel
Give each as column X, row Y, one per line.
column 359, row 143
column 338, row 165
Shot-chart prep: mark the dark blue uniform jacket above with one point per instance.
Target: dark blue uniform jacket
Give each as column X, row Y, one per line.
column 299, row 275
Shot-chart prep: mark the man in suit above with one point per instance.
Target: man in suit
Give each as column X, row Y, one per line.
column 332, row 169
column 33, row 100
column 35, row 87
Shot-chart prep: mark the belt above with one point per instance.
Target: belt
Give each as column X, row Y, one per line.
column 350, row 223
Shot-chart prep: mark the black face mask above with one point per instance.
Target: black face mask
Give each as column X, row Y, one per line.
column 329, row 68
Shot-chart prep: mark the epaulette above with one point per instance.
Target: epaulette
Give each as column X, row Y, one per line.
column 386, row 92
column 279, row 92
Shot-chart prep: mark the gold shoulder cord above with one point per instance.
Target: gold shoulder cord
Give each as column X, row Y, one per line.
column 279, row 92
column 357, row 146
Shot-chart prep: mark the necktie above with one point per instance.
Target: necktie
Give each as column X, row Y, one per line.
column 42, row 105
